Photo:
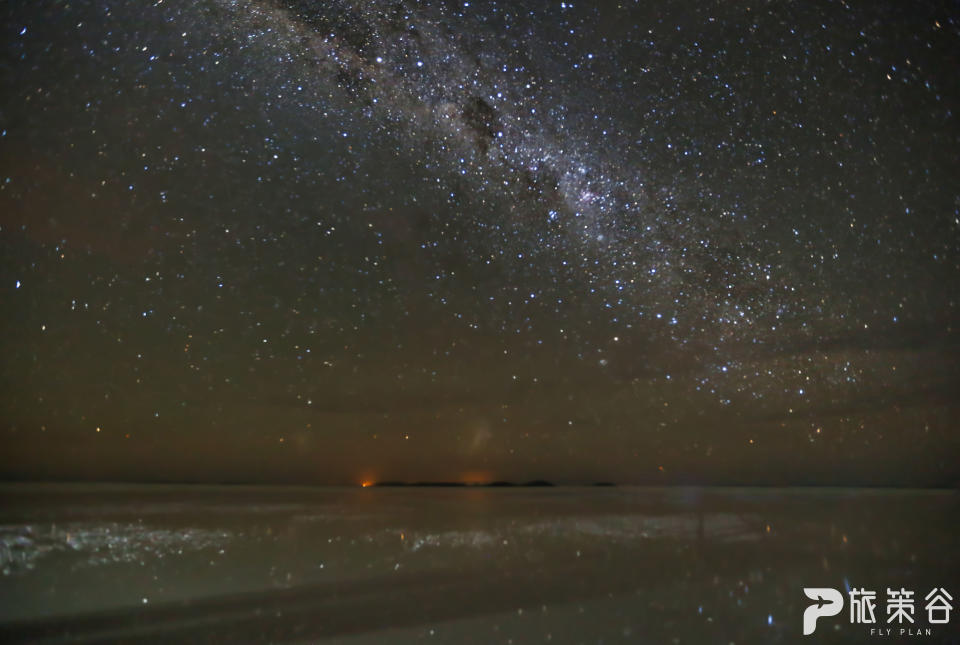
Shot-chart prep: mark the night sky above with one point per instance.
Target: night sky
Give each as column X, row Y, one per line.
column 327, row 242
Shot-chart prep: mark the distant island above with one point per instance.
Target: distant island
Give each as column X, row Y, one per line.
column 495, row 484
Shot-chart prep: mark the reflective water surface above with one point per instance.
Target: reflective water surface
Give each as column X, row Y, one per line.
column 464, row 565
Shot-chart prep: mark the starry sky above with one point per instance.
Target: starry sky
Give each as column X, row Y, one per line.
column 327, row 242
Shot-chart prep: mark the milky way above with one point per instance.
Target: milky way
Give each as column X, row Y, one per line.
column 673, row 242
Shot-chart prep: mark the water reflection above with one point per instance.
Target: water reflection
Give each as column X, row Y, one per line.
column 460, row 565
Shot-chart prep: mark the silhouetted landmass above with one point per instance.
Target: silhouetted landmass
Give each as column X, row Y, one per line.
column 496, row 484
column 440, row 484
column 604, row 484
column 422, row 484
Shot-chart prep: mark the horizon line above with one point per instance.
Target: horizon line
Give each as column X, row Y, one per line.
column 536, row 483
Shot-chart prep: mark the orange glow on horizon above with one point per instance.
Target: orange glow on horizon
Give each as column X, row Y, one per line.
column 476, row 477
column 366, row 484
